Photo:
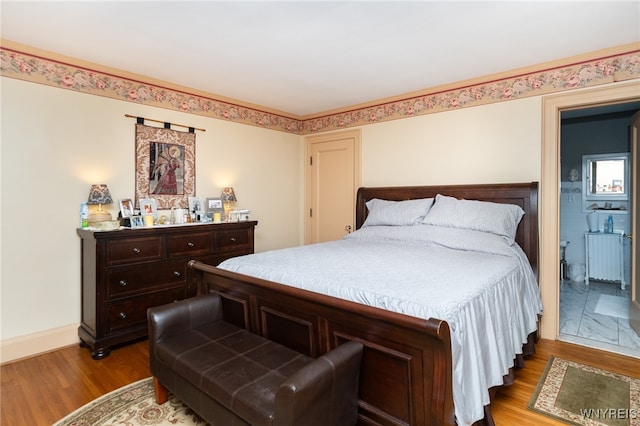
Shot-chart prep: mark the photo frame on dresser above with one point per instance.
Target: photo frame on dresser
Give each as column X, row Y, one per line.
column 213, row 205
column 137, row 221
column 149, row 206
column 126, row 207
column 195, row 204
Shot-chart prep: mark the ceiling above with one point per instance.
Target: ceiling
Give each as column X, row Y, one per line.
column 309, row 57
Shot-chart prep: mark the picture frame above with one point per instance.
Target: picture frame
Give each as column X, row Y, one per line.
column 196, row 204
column 213, row 205
column 149, row 206
column 165, row 166
column 137, row 221
column 126, row 207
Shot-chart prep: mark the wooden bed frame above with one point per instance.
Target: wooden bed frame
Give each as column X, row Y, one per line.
column 406, row 374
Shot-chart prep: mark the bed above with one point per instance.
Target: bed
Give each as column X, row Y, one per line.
column 437, row 282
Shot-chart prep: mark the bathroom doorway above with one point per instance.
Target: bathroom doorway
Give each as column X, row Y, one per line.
column 594, row 307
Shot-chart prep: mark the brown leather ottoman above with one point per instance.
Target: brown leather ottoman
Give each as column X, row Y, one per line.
column 230, row 376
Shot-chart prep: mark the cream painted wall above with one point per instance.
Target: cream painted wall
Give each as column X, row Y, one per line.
column 495, row 143
column 55, row 143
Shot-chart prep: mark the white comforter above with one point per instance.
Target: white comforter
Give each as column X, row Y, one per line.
column 482, row 285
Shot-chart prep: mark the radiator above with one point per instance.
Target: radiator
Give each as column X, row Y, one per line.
column 605, row 257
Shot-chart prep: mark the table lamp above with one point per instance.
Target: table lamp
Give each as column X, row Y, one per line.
column 228, row 198
column 99, row 194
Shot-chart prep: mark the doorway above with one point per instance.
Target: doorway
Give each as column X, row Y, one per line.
column 594, row 300
column 550, row 190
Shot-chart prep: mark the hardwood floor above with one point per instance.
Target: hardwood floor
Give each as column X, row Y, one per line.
column 45, row 388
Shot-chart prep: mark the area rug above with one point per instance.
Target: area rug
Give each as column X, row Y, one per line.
column 613, row 306
column 582, row 395
column 132, row 405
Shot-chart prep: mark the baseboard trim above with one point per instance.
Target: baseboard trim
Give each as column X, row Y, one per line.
column 37, row 343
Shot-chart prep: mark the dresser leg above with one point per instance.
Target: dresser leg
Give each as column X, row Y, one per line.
column 100, row 353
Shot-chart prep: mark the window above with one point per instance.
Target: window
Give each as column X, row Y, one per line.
column 606, row 177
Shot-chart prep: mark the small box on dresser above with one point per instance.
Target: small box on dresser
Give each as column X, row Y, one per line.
column 127, row 271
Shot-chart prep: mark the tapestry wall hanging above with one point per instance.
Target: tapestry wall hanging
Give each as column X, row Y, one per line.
column 165, row 166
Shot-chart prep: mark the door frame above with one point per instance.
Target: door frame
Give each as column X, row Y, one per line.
column 356, row 135
column 550, row 187
column 634, row 303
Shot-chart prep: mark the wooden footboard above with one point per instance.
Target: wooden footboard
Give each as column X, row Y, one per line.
column 406, row 373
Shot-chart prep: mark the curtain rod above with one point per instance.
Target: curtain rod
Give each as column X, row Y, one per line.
column 163, row 122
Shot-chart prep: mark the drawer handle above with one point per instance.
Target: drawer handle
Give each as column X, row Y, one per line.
column 136, row 250
column 176, row 273
column 190, row 244
column 122, row 315
column 123, row 283
column 233, row 239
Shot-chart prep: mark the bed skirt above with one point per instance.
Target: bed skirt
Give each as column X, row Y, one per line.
column 529, row 348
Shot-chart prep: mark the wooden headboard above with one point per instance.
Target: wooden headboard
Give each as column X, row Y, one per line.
column 524, row 195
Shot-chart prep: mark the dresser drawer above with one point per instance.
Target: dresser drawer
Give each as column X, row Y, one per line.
column 189, row 244
column 134, row 250
column 232, row 240
column 126, row 280
column 132, row 311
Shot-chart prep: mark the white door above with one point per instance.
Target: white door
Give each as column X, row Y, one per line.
column 634, row 307
column 333, row 177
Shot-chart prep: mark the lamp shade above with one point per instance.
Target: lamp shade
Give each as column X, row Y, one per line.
column 99, row 194
column 228, row 195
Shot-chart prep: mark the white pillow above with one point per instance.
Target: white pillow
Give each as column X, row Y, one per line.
column 496, row 218
column 396, row 213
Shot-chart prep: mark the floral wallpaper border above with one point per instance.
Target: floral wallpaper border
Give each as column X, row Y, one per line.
column 37, row 69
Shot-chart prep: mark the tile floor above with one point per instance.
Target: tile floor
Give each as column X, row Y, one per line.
column 607, row 328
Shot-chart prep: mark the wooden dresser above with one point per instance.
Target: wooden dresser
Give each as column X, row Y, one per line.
column 126, row 271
